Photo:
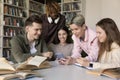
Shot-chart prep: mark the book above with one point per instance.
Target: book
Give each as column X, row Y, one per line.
column 18, row 75
column 36, row 62
column 110, row 72
column 6, row 67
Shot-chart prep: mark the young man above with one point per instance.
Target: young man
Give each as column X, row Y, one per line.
column 30, row 43
column 52, row 21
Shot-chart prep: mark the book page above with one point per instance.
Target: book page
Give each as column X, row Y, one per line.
column 4, row 65
column 18, row 75
column 97, row 72
column 9, row 77
column 112, row 72
column 27, row 74
column 37, row 60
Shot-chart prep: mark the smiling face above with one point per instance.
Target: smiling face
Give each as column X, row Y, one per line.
column 62, row 35
column 33, row 31
column 78, row 31
column 101, row 34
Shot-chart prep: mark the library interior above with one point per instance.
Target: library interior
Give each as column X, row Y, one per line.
column 14, row 14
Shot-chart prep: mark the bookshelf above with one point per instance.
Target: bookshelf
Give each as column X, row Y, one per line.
column 70, row 8
column 35, row 8
column 1, row 18
column 14, row 12
column 12, row 16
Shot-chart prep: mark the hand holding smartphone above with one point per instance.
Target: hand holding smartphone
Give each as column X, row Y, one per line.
column 59, row 56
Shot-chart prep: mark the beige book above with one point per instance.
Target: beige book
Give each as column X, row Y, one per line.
column 6, row 67
column 18, row 75
column 36, row 62
column 110, row 72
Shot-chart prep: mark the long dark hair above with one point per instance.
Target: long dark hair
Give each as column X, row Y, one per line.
column 112, row 33
column 69, row 39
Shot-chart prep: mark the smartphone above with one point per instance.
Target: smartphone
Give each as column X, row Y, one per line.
column 59, row 56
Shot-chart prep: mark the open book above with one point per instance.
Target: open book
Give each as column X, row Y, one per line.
column 36, row 62
column 110, row 72
column 18, row 76
column 6, row 67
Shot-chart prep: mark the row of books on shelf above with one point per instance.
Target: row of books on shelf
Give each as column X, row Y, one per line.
column 12, row 32
column 6, row 42
column 7, row 53
column 71, row 6
column 9, row 10
column 13, row 21
column 36, row 7
column 15, row 2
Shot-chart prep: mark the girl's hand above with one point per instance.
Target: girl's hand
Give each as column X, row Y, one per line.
column 83, row 61
column 48, row 54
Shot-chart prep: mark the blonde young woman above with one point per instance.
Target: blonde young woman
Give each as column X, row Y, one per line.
column 109, row 44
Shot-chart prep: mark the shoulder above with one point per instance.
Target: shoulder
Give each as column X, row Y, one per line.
column 91, row 34
column 74, row 38
column 114, row 45
column 18, row 37
column 70, row 45
column 62, row 16
column 115, row 49
column 51, row 45
column 43, row 16
column 41, row 40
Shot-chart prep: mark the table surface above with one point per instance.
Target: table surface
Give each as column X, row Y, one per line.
column 68, row 72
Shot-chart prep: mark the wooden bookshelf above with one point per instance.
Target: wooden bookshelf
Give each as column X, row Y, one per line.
column 35, row 8
column 14, row 12
column 70, row 8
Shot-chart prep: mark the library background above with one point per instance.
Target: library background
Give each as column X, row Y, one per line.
column 14, row 12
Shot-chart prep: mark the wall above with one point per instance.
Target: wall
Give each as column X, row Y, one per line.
column 92, row 12
column 97, row 9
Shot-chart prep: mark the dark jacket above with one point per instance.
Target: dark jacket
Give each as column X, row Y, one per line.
column 50, row 29
column 20, row 49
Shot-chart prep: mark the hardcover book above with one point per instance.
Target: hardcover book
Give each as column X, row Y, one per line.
column 36, row 62
column 110, row 72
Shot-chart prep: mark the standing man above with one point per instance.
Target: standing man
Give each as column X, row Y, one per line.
column 52, row 22
column 30, row 43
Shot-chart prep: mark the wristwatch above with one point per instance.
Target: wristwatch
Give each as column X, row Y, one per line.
column 90, row 64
